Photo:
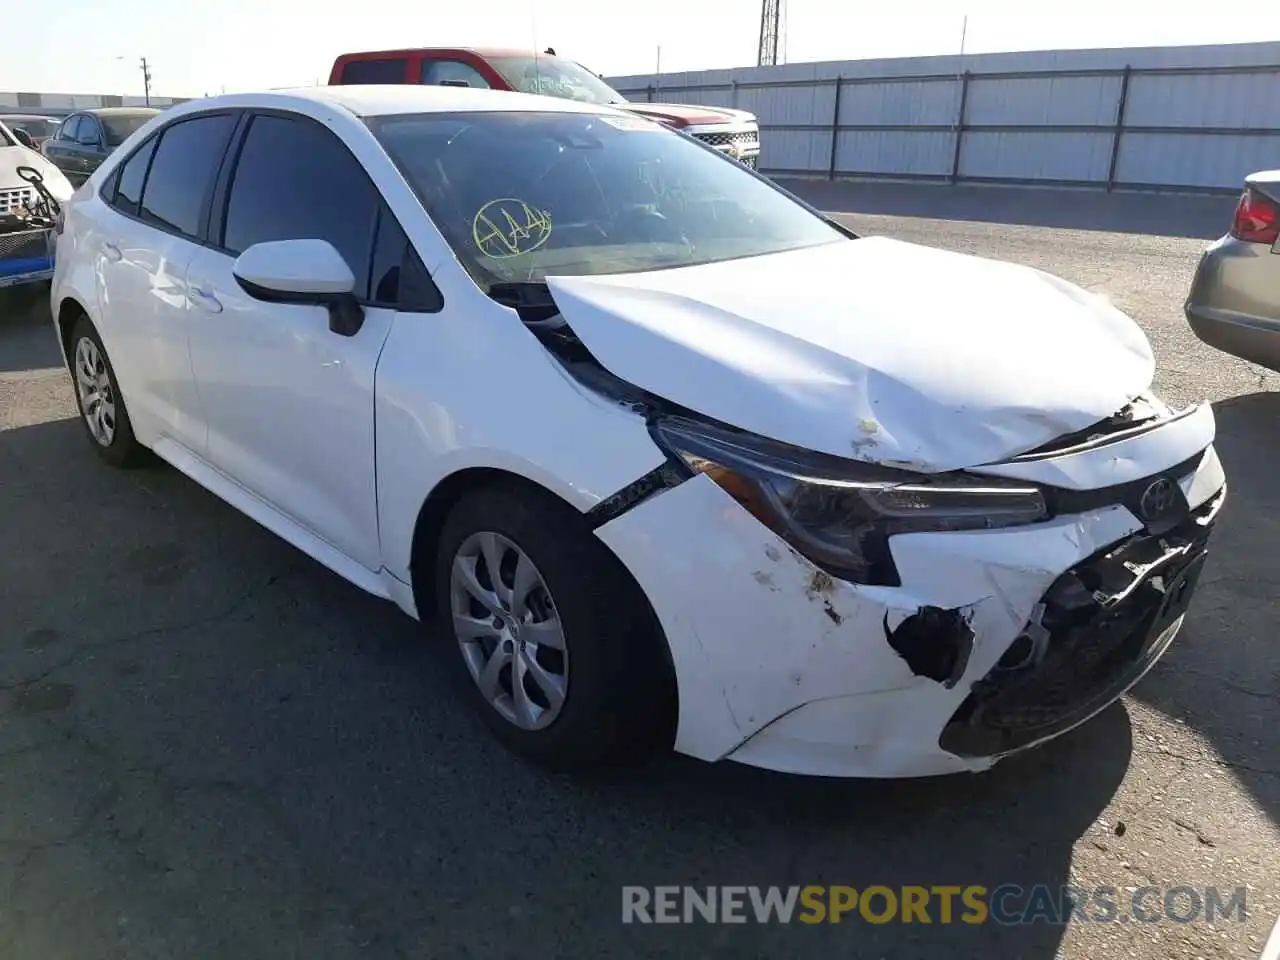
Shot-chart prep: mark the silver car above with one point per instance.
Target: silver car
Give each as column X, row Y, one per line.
column 1234, row 303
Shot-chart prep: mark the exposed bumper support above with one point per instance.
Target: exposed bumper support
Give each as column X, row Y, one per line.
column 1101, row 626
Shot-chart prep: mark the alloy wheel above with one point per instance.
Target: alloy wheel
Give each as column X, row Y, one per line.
column 97, row 394
column 508, row 630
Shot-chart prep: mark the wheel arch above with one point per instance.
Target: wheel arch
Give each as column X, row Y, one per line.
column 70, row 309
column 430, row 524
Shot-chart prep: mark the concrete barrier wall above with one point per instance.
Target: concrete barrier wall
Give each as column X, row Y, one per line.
column 61, row 104
column 1183, row 118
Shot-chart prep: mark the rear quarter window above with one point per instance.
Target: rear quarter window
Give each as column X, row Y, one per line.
column 133, row 173
column 374, row 71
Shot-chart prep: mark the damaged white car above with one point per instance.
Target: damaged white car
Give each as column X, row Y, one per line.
column 669, row 455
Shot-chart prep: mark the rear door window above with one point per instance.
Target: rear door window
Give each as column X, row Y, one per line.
column 182, row 172
column 452, row 73
column 119, row 129
column 374, row 71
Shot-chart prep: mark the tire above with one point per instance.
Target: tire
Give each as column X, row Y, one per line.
column 106, row 421
column 618, row 689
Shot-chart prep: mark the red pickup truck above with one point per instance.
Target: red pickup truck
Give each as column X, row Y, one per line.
column 734, row 132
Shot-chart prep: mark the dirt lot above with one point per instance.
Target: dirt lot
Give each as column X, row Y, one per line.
column 212, row 747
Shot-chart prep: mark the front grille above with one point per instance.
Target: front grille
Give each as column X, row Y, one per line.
column 15, row 199
column 744, row 139
column 1099, row 627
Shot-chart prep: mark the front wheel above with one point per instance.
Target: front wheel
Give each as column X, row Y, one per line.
column 555, row 645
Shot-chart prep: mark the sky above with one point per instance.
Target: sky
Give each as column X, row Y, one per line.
column 198, row 47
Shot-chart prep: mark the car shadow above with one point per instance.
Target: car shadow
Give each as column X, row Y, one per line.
column 1222, row 676
column 1156, row 214
column 26, row 334
column 208, row 739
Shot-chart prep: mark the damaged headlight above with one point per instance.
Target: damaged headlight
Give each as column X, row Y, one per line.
column 840, row 513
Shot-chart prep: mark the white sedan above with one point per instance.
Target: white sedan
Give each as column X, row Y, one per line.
column 671, row 456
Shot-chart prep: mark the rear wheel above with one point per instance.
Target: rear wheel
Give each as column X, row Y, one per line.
column 102, row 409
column 555, row 646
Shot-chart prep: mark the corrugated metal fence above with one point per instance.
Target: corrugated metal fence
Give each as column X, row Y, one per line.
column 1190, row 118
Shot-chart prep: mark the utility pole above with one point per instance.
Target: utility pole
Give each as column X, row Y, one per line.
column 770, row 17
column 146, row 81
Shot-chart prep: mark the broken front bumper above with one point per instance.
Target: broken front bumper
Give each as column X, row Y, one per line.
column 1097, row 631
column 779, row 665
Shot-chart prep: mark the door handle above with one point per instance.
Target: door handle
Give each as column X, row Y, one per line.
column 204, row 299
column 112, row 251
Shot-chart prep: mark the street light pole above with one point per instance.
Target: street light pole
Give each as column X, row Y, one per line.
column 146, row 81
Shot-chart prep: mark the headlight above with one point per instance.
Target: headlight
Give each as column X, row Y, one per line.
column 840, row 513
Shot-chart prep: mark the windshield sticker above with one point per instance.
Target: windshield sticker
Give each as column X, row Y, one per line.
column 634, row 124
column 509, row 228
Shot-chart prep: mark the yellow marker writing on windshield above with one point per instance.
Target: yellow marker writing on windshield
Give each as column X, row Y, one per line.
column 509, row 228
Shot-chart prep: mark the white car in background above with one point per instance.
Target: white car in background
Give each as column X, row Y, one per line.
column 16, row 193
column 26, row 217
column 669, row 454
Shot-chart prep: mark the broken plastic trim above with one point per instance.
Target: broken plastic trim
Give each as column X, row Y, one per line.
column 670, row 474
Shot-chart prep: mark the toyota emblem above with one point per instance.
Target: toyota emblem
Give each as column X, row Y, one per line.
column 1157, row 499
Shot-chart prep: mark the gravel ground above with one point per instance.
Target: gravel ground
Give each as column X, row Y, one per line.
column 210, row 746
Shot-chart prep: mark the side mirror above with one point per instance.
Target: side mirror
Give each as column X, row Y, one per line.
column 305, row 272
column 24, row 138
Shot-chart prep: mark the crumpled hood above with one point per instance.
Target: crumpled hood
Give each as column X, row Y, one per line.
column 873, row 349
column 11, row 158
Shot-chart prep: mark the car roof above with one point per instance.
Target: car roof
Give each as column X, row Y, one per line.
column 376, row 100
column 29, row 116
column 482, row 52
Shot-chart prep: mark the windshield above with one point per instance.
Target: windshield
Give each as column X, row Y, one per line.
column 553, row 77
column 34, row 126
column 119, row 128
column 523, row 196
